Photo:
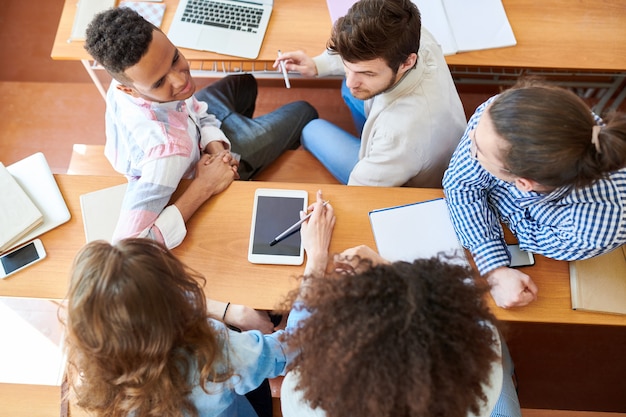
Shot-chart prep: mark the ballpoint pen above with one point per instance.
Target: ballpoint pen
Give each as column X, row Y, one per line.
column 283, row 68
column 293, row 228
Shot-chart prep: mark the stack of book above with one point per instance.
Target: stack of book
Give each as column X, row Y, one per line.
column 18, row 213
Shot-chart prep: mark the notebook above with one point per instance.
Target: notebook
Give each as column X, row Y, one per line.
column 414, row 231
column 457, row 25
column 599, row 283
column 33, row 174
column 85, row 12
column 229, row 27
column 32, row 349
column 101, row 211
column 18, row 214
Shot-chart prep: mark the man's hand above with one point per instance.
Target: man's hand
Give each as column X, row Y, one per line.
column 297, row 61
column 214, row 173
column 511, row 288
column 218, row 147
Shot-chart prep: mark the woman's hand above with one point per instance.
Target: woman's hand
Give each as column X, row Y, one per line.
column 349, row 261
column 316, row 234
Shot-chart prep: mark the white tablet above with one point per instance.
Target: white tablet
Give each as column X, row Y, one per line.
column 275, row 211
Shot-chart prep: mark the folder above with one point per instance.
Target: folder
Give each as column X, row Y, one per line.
column 101, row 211
column 18, row 214
column 33, row 174
column 599, row 284
column 413, row 231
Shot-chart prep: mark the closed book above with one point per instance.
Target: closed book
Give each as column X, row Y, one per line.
column 599, row 284
column 18, row 213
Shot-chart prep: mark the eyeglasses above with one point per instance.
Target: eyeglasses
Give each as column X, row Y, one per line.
column 473, row 150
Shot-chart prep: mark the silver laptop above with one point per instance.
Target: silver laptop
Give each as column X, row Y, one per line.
column 229, row 27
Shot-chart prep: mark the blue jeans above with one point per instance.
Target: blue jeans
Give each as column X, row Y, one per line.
column 508, row 403
column 258, row 140
column 335, row 148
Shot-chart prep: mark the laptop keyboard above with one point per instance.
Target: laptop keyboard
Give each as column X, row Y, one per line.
column 212, row 13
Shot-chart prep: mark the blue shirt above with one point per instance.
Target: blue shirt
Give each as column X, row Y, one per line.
column 563, row 224
column 254, row 357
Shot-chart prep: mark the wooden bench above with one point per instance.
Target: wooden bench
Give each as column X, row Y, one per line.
column 292, row 166
column 90, row 160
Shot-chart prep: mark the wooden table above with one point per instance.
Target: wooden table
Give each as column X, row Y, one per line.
column 217, row 242
column 583, row 35
column 558, row 34
column 216, row 245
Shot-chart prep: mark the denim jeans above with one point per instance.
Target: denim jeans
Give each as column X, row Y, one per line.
column 259, row 140
column 335, row 148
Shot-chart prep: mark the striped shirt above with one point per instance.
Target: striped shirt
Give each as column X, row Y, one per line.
column 155, row 145
column 563, row 224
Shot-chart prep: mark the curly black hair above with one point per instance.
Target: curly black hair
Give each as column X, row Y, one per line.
column 401, row 339
column 117, row 39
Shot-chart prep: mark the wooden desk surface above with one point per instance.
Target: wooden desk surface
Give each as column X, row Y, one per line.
column 559, row 34
column 217, row 243
column 293, row 25
column 586, row 35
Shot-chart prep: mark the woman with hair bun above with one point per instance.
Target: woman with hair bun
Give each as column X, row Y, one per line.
column 537, row 159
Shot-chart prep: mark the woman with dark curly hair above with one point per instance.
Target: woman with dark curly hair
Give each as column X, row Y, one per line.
column 397, row 339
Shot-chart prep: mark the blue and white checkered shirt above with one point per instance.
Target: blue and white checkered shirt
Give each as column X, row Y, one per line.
column 561, row 225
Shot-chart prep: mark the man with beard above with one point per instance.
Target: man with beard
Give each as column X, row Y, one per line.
column 401, row 94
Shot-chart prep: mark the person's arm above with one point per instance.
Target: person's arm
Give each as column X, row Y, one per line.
column 297, row 61
column 145, row 212
column 240, row 316
column 252, row 356
column 479, row 229
column 316, row 234
column 322, row 65
column 214, row 173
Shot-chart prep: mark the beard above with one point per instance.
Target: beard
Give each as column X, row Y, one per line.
column 366, row 94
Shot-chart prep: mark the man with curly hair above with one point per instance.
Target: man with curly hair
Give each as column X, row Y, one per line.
column 396, row 340
column 158, row 132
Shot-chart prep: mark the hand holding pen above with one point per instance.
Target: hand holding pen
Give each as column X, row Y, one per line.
column 297, row 61
column 316, row 233
column 296, row 226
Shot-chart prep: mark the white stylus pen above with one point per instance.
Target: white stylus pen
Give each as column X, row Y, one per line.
column 284, row 70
